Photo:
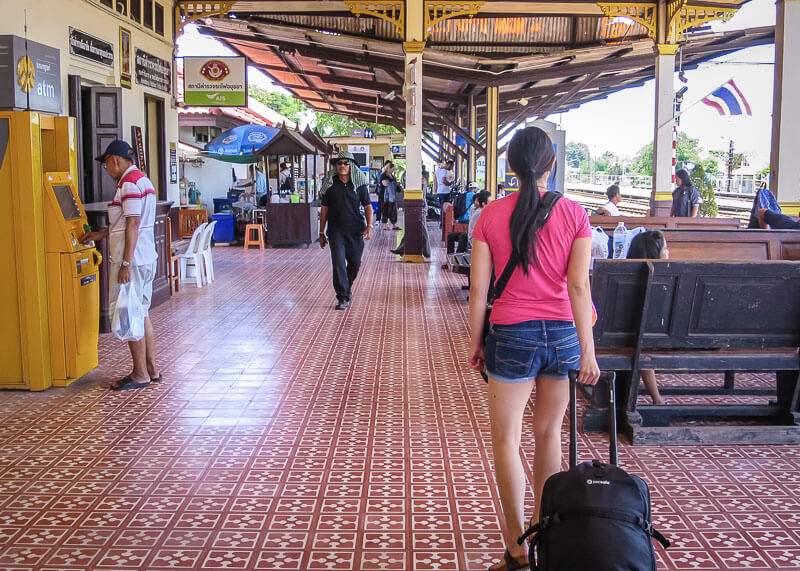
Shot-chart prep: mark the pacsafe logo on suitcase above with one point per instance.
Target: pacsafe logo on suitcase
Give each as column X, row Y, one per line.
column 594, row 516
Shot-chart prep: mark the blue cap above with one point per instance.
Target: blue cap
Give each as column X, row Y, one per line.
column 117, row 148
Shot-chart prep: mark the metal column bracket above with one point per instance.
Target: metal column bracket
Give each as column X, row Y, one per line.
column 680, row 16
column 440, row 10
column 393, row 11
column 188, row 11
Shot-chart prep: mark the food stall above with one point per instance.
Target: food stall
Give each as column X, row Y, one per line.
column 291, row 222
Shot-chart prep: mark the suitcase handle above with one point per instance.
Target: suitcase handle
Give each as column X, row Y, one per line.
column 573, row 419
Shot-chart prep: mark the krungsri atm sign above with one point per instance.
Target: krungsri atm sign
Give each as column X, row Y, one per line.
column 215, row 81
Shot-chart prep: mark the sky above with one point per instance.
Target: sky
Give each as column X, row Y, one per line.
column 624, row 122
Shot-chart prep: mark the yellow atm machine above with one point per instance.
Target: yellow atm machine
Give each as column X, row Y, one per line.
column 48, row 280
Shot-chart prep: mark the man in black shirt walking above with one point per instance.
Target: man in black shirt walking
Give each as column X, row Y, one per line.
column 342, row 206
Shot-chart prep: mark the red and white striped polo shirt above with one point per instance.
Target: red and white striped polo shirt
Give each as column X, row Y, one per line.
column 135, row 196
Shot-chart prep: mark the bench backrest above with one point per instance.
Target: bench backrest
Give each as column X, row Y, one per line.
column 697, row 305
column 733, row 245
column 608, row 223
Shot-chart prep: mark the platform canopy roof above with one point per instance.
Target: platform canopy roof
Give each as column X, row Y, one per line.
column 545, row 57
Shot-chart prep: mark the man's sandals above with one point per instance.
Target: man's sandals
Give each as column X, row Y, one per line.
column 510, row 563
column 127, row 383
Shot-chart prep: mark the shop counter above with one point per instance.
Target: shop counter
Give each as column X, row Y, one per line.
column 289, row 224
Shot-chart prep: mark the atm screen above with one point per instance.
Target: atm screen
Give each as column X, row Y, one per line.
column 67, row 203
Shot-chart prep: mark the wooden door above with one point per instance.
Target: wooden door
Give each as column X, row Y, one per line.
column 76, row 110
column 103, row 123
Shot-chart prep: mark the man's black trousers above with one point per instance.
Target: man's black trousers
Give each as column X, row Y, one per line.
column 346, row 250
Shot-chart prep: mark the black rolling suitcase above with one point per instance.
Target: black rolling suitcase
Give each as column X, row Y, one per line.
column 595, row 516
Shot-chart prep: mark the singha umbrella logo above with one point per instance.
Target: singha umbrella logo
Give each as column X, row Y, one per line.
column 215, row 70
column 26, row 73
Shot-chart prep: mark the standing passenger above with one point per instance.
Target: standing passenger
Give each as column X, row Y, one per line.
column 686, row 198
column 541, row 325
column 132, row 252
column 388, row 188
column 342, row 206
column 444, row 180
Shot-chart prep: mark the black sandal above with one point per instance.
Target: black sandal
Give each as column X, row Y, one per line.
column 510, row 563
column 127, row 383
column 157, row 379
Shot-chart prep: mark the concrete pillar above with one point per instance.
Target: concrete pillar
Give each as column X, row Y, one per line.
column 472, row 128
column 784, row 171
column 661, row 197
column 492, row 107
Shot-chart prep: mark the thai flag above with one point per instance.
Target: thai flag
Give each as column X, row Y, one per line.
column 728, row 100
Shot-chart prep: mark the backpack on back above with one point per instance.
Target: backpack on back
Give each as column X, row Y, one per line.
column 595, row 515
column 459, row 205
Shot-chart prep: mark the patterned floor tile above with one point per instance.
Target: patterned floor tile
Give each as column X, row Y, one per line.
column 292, row 436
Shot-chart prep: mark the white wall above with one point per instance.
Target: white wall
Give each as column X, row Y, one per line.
column 49, row 22
column 213, row 179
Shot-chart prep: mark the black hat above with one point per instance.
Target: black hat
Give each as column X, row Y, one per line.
column 117, row 148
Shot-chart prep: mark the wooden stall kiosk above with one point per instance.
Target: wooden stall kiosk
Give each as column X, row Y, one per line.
column 290, row 223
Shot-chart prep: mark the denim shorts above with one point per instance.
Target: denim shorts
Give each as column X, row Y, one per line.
column 521, row 352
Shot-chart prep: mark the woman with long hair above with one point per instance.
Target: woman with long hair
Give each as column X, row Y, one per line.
column 686, row 198
column 541, row 325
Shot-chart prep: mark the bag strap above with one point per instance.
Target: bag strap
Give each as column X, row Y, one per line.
column 547, row 203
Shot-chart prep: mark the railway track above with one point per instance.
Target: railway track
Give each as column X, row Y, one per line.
column 633, row 206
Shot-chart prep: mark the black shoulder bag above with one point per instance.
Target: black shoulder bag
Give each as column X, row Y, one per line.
column 496, row 288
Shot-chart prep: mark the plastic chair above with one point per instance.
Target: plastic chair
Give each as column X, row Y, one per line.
column 193, row 257
column 205, row 251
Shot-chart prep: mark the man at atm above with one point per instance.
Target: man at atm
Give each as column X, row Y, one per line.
column 131, row 216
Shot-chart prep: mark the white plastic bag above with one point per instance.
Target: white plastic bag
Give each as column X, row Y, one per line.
column 128, row 321
column 599, row 244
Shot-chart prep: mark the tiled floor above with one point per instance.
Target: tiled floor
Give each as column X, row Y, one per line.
column 287, row 435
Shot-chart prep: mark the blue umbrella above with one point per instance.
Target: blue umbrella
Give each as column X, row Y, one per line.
column 239, row 145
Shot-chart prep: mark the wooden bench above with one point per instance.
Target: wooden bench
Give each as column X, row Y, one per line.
column 685, row 317
column 448, row 224
column 608, row 223
column 733, row 245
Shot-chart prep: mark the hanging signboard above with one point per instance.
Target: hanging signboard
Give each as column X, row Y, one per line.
column 30, row 77
column 153, row 72
column 215, row 81
column 88, row 47
column 124, row 57
column 173, row 163
column 138, row 146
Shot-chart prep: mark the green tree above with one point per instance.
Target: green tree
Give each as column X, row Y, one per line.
column 688, row 151
column 703, row 178
column 331, row 125
column 609, row 163
column 643, row 161
column 291, row 108
column 576, row 154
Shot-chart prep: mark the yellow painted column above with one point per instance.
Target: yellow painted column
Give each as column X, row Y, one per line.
column 492, row 107
column 412, row 89
column 784, row 172
column 472, row 126
column 661, row 198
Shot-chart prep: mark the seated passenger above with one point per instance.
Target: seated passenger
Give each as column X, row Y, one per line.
column 614, row 198
column 458, row 242
column 769, row 219
column 650, row 246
